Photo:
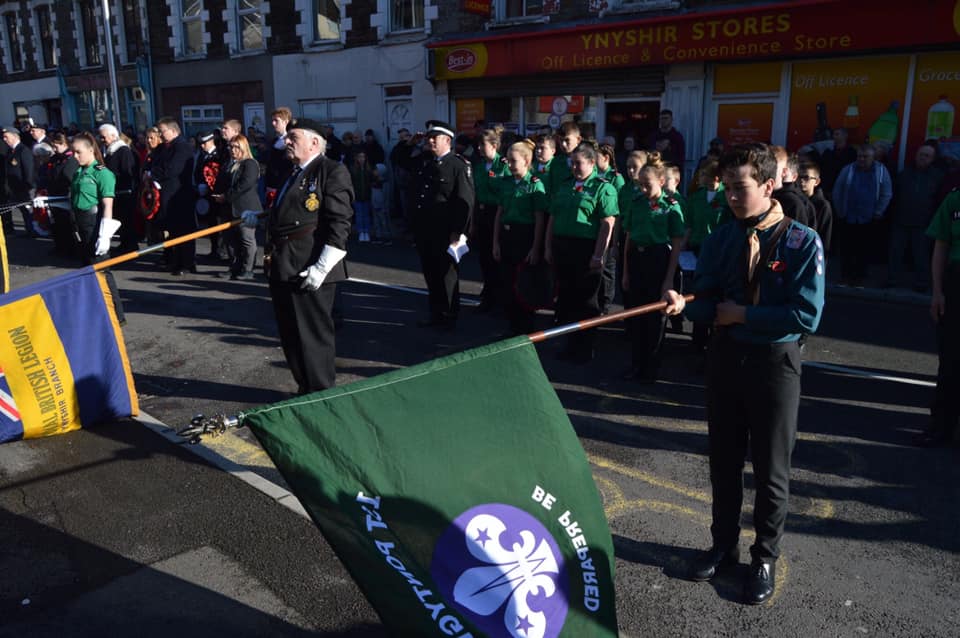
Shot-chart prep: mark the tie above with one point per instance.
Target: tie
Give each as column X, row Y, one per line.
column 769, row 219
column 290, row 180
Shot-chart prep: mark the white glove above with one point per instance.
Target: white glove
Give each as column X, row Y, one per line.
column 40, row 202
column 250, row 218
column 314, row 275
column 107, row 228
column 202, row 189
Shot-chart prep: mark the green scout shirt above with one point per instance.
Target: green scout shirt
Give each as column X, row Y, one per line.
column 544, row 174
column 90, row 185
column 702, row 217
column 945, row 225
column 559, row 172
column 614, row 178
column 578, row 210
column 651, row 225
column 487, row 180
column 522, row 198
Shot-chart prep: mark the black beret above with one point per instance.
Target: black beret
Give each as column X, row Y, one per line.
column 308, row 125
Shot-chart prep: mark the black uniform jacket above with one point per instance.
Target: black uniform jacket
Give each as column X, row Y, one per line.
column 123, row 163
column 443, row 197
column 172, row 168
column 18, row 165
column 316, row 210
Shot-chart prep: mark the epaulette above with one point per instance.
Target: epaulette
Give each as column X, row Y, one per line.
column 603, row 180
column 462, row 158
column 99, row 167
column 534, row 179
column 672, row 200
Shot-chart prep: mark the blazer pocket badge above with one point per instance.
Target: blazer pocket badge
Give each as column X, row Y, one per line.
column 312, row 203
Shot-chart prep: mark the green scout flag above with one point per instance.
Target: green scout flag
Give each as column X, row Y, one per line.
column 457, row 495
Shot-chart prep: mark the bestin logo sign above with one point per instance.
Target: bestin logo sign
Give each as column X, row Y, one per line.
column 461, row 60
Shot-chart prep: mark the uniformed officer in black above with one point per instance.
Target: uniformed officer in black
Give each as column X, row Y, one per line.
column 308, row 228
column 443, row 202
column 20, row 184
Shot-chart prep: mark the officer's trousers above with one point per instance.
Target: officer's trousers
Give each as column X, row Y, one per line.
column 306, row 329
column 441, row 275
column 753, row 393
column 486, row 216
column 516, row 240
column 648, row 267
column 577, row 289
column 946, row 407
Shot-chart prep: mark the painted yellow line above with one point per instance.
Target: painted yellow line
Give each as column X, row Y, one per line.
column 238, row 450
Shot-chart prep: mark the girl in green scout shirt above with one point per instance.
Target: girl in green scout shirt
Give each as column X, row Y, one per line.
column 91, row 197
column 653, row 222
column 607, row 169
column 583, row 208
column 706, row 209
column 607, row 166
column 488, row 169
column 518, row 232
column 945, row 310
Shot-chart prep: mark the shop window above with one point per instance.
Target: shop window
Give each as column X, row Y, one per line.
column 326, row 22
column 204, row 117
column 518, row 8
column 191, row 27
column 249, row 25
column 552, row 111
column 45, row 36
column 406, row 15
column 502, row 111
column 340, row 113
column 131, row 26
column 89, row 36
column 14, row 46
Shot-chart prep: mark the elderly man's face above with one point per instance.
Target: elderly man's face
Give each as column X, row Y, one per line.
column 302, row 144
column 10, row 139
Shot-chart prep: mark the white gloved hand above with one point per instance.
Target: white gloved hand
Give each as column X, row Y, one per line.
column 314, row 275
column 107, row 228
column 40, row 202
column 250, row 218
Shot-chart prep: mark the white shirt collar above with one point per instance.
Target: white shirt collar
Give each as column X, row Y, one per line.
column 310, row 159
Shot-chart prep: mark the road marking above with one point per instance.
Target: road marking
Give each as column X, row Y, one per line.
column 417, row 291
column 870, row 375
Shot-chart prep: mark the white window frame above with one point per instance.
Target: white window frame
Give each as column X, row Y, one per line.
column 382, row 22
column 233, row 18
column 35, row 27
column 307, row 29
column 210, row 122
column 80, row 37
column 346, row 124
column 500, row 11
column 413, row 29
column 178, row 40
column 13, row 8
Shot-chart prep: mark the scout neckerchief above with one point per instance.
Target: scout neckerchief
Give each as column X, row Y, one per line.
column 754, row 226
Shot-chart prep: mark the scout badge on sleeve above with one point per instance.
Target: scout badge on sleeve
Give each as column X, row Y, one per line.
column 795, row 238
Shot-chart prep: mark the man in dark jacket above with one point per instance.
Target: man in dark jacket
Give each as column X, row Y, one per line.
column 173, row 170
column 278, row 161
column 19, row 180
column 795, row 204
column 914, row 204
column 809, row 181
column 122, row 162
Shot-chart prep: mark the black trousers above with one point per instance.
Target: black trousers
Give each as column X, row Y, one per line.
column 577, row 288
column 857, row 243
column 608, row 285
column 305, row 323
column 64, row 233
column 124, row 209
column 486, row 215
column 753, row 393
column 945, row 410
column 701, row 330
column 516, row 240
column 441, row 275
column 648, row 267
column 88, row 228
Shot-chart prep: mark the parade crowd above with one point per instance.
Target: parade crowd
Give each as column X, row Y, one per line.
column 558, row 220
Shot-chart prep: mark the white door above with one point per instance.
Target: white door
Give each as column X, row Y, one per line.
column 253, row 116
column 399, row 115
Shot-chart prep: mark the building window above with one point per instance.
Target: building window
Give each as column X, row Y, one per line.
column 326, row 23
column 45, row 36
column 406, row 15
column 519, row 8
column 341, row 113
column 191, row 27
column 131, row 27
column 202, row 117
column 250, row 25
column 12, row 27
column 90, row 40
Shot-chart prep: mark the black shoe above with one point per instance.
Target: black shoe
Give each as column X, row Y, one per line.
column 705, row 566
column 760, row 582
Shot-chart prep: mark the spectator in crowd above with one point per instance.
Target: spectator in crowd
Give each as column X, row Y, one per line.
column 795, row 204
column 834, row 159
column 378, row 203
column 172, row 168
column 241, row 197
column 916, row 201
column 668, row 140
column 809, row 179
column 349, row 147
column 629, row 146
column 122, row 162
column 372, row 149
column 278, row 161
column 221, row 248
column 334, row 149
column 361, row 174
column 62, row 166
column 20, row 184
column 861, row 194
column 399, row 162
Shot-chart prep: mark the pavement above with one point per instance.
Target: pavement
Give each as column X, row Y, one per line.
column 116, row 523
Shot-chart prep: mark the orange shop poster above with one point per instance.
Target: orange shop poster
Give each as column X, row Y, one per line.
column 936, row 96
column 863, row 95
column 468, row 112
column 745, row 123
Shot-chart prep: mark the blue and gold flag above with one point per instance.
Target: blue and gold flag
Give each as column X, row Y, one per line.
column 4, row 264
column 63, row 363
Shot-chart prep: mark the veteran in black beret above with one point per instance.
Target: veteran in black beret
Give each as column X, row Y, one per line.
column 307, row 230
column 443, row 202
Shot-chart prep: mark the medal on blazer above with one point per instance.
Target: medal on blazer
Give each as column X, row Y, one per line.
column 13, row 162
column 312, row 203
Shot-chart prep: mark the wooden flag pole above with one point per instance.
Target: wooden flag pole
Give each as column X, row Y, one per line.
column 543, row 335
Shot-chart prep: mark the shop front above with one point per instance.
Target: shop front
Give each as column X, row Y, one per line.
column 787, row 73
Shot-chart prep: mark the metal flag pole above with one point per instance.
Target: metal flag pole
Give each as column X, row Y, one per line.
column 111, row 67
column 218, row 424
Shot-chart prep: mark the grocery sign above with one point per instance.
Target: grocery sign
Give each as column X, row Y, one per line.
column 797, row 29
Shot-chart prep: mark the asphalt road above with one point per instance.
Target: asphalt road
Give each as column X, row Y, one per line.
column 107, row 528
